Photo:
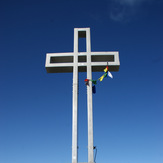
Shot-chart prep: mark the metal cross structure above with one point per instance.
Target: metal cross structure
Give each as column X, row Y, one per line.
column 82, row 62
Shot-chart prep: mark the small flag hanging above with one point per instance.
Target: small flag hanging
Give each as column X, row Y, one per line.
column 94, row 89
column 101, row 78
column 106, row 69
column 86, row 81
column 94, row 81
column 105, row 75
column 109, row 74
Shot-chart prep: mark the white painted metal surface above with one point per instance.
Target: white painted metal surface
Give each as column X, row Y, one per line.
column 63, row 62
column 89, row 99
column 80, row 62
column 75, row 101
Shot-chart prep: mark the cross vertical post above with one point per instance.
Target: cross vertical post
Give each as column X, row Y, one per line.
column 82, row 62
column 75, row 101
column 89, row 98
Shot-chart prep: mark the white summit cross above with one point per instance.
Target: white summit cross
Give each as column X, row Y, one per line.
column 82, row 62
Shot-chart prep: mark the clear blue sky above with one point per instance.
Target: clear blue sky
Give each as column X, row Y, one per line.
column 36, row 107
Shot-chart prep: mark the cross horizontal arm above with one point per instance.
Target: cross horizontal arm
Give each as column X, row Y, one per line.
column 63, row 62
